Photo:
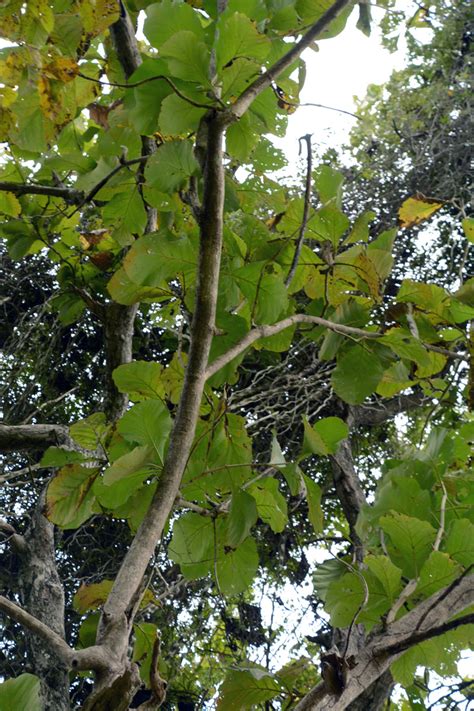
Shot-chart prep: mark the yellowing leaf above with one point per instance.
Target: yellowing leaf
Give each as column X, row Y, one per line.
column 468, row 227
column 417, row 209
column 62, row 68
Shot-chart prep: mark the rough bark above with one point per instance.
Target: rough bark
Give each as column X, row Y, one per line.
column 429, row 619
column 349, row 492
column 42, row 594
column 118, row 319
column 375, row 697
column 22, row 438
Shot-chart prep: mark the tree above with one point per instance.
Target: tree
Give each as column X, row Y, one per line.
column 203, row 371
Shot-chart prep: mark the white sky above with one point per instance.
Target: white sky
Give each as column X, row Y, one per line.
column 342, row 69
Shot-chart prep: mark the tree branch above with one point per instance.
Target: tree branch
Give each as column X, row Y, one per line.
column 307, row 205
column 69, row 194
column 54, row 641
column 240, row 106
column 376, row 413
column 17, row 438
column 430, row 618
column 202, row 329
column 264, row 331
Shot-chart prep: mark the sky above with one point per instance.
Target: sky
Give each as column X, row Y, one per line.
column 343, row 68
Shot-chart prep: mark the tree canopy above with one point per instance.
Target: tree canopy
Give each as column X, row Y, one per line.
column 236, row 423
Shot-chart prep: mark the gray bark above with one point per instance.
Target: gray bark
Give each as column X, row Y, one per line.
column 42, row 594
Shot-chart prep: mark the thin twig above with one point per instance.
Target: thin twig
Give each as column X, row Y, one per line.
column 306, row 208
column 442, row 518
column 133, row 85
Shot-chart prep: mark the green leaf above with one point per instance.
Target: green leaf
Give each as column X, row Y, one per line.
column 236, row 569
column 69, row 498
column 329, row 223
column 171, row 166
column 313, row 497
column 410, row 541
column 327, row 573
column 238, row 37
column 243, row 515
column 369, row 369
column 241, row 139
column 9, row 204
column 405, row 345
column 387, row 573
column 328, row 183
column 58, row 457
column 365, row 17
column 139, row 378
column 166, row 18
column 460, row 541
column 324, row 436
column 124, row 477
column 360, row 228
column 158, row 257
column 263, row 285
column 343, row 598
column 23, row 692
column 178, row 116
column 437, row 572
column 126, row 211
column 192, row 545
column 188, row 58
column 90, row 432
column 271, row 505
column 147, row 423
column 245, row 688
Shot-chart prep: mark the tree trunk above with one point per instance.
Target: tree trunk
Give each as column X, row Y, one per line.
column 42, row 594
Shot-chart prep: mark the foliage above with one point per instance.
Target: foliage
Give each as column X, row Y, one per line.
column 291, row 454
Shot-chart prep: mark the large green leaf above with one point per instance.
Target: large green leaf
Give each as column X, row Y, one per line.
column 21, row 693
column 357, row 374
column 263, row 285
column 170, row 167
column 324, row 436
column 243, row 515
column 343, row 598
column 160, row 256
column 178, row 116
column 188, row 58
column 139, row 378
column 192, row 545
column 271, row 505
column 70, row 498
column 236, row 568
column 247, row 688
column 409, row 543
column 313, row 497
column 124, row 476
column 437, row 572
column 238, row 37
column 147, row 423
column 166, row 18
column 460, row 541
column 90, row 432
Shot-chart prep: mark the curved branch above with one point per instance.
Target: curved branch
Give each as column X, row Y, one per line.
column 264, row 331
column 266, row 79
column 306, row 207
column 54, row 641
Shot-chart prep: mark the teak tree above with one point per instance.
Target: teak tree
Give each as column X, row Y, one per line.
column 213, row 298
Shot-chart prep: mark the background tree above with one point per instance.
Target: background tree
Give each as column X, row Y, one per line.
column 178, row 445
